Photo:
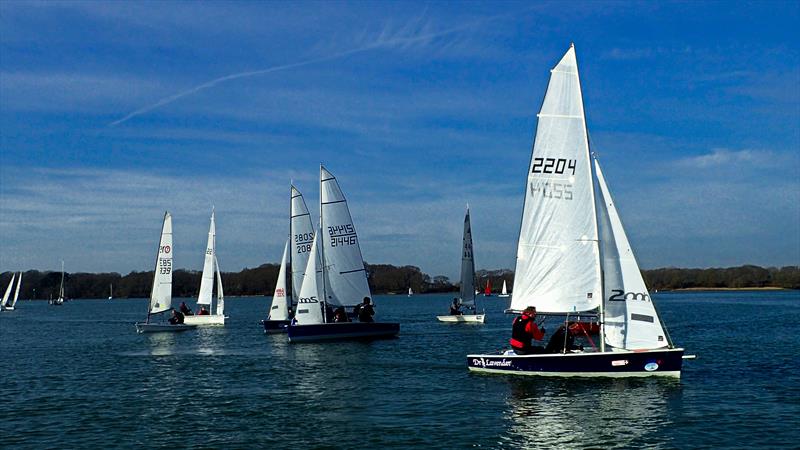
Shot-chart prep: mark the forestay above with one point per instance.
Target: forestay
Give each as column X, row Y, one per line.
column 557, row 268
column 220, row 294
column 161, row 293
column 346, row 279
column 467, row 290
column 301, row 234
column 207, row 280
column 309, row 310
column 279, row 309
column 631, row 321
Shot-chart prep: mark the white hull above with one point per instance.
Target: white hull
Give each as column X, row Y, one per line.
column 504, row 295
column 209, row 320
column 7, row 308
column 161, row 328
column 671, row 374
column 468, row 318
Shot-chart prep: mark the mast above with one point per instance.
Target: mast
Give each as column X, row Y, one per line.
column 321, row 249
column 61, row 288
column 594, row 206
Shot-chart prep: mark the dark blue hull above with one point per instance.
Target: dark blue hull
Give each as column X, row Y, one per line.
column 667, row 362
column 275, row 326
column 343, row 331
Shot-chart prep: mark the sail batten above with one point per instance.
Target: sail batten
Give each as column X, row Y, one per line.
column 557, row 267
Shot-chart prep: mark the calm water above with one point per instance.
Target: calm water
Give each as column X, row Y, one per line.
column 78, row 376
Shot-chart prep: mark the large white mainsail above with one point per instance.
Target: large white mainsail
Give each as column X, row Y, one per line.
column 220, row 294
column 16, row 291
column 161, row 293
column 345, row 275
column 557, row 267
column 279, row 310
column 207, row 280
column 309, row 309
column 467, row 290
column 301, row 234
column 8, row 289
column 631, row 321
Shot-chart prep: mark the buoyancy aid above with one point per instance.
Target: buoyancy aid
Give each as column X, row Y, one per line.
column 520, row 338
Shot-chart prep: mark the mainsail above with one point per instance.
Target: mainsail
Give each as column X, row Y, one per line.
column 301, row 234
column 309, row 309
column 161, row 293
column 16, row 291
column 207, row 280
column 467, row 290
column 279, row 310
column 345, row 276
column 8, row 289
column 557, row 268
column 631, row 321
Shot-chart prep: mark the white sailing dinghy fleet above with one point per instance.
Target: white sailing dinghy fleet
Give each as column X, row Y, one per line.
column 301, row 236
column 336, row 278
column 467, row 295
column 210, row 274
column 573, row 256
column 9, row 304
column 161, row 292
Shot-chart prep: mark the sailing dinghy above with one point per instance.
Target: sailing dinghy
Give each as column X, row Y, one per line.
column 504, row 291
column 9, row 304
column 467, row 289
column 341, row 281
column 278, row 318
column 204, row 298
column 161, row 292
column 60, row 300
column 574, row 259
column 487, row 291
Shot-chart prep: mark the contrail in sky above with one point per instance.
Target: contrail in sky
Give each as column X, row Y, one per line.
column 381, row 42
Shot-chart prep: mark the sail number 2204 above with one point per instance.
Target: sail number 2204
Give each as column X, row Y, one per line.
column 553, row 165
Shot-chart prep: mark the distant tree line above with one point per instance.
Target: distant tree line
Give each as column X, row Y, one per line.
column 382, row 278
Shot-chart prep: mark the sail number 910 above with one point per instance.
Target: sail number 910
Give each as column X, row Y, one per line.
column 553, row 165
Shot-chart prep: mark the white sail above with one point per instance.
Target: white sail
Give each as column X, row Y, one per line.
column 279, row 310
column 301, row 233
column 161, row 293
column 16, row 291
column 207, row 280
column 345, row 276
column 630, row 320
column 557, row 268
column 220, row 294
column 467, row 290
column 61, row 288
column 309, row 308
column 8, row 290
column 504, row 291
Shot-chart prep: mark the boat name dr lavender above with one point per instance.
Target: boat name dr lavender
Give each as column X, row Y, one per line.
column 491, row 363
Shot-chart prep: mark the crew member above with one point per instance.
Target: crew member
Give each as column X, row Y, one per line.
column 203, row 311
column 522, row 330
column 340, row 315
column 177, row 317
column 455, row 308
column 185, row 309
column 563, row 340
column 366, row 311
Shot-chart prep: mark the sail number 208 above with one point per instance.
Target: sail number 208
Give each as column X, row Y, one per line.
column 553, row 165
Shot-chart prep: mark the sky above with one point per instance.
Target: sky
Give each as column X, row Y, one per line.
column 113, row 112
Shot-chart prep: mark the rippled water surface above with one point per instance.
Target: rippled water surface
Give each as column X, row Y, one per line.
column 78, row 376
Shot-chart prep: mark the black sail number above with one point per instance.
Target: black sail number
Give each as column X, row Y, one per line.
column 553, row 165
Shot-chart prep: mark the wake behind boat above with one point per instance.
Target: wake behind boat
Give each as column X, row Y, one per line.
column 574, row 259
column 339, row 282
column 467, row 296
column 161, row 292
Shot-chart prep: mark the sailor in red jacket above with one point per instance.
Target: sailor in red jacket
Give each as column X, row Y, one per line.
column 522, row 330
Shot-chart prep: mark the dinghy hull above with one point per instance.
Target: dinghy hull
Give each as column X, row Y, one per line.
column 205, row 321
column 162, row 328
column 665, row 363
column 342, row 331
column 275, row 326
column 463, row 318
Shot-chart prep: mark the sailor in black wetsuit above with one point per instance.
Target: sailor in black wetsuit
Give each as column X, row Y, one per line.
column 366, row 311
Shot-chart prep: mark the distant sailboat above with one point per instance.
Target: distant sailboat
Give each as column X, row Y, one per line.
column 161, row 292
column 467, row 295
column 9, row 304
column 60, row 300
column 574, row 259
column 410, row 292
column 341, row 280
column 504, row 291
column 110, row 291
column 278, row 318
column 487, row 292
column 205, row 297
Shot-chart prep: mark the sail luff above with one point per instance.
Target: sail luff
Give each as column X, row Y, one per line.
column 279, row 308
column 557, row 266
column 220, row 294
column 301, row 229
column 207, row 279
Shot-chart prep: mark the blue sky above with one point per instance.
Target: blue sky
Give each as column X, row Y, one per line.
column 112, row 112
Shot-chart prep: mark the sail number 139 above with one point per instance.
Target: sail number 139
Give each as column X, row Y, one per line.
column 553, row 165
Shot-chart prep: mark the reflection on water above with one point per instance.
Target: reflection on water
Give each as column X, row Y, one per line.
column 161, row 344
column 588, row 413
